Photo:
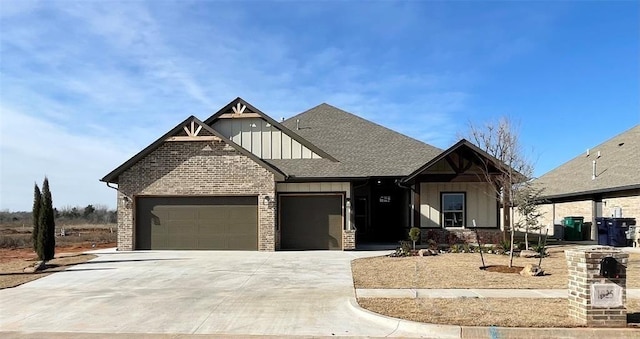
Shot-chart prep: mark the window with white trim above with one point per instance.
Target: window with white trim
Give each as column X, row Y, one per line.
column 453, row 209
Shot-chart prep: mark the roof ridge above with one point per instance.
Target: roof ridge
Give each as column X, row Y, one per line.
column 362, row 120
column 580, row 155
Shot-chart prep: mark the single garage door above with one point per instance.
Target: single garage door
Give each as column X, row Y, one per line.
column 197, row 223
column 311, row 222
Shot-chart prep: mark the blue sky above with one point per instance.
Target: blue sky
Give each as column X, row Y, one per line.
column 85, row 85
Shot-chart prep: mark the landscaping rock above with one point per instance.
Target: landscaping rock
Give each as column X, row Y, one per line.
column 529, row 254
column 426, row 252
column 36, row 266
column 532, row 270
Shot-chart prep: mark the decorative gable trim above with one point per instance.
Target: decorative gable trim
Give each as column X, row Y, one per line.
column 191, row 129
column 238, row 109
column 458, row 165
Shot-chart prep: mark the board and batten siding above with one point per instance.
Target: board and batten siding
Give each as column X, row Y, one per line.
column 319, row 187
column 481, row 203
column 263, row 139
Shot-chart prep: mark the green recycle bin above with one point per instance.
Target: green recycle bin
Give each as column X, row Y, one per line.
column 573, row 228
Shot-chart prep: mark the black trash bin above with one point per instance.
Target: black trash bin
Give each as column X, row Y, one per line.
column 618, row 231
column 603, row 230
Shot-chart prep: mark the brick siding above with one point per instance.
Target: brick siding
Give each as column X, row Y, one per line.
column 584, row 270
column 348, row 239
column 197, row 169
column 460, row 236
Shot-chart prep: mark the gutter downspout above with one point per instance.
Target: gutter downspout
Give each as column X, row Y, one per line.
column 128, row 198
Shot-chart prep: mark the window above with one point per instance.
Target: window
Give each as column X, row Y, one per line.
column 453, row 206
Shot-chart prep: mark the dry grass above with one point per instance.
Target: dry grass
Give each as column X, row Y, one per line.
column 20, row 237
column 461, row 270
column 511, row 312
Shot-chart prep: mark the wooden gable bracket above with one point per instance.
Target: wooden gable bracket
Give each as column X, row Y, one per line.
column 461, row 166
column 238, row 111
column 192, row 134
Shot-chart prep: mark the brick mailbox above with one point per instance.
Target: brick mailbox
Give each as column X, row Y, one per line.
column 597, row 286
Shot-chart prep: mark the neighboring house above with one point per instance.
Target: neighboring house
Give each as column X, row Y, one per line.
column 323, row 179
column 602, row 182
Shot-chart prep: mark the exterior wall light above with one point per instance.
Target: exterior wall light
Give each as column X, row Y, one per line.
column 266, row 200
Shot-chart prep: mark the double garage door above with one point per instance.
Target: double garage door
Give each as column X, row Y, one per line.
column 307, row 222
column 202, row 223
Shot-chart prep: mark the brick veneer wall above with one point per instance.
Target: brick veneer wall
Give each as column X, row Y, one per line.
column 196, row 169
column 584, row 270
column 348, row 239
column 460, row 236
column 630, row 205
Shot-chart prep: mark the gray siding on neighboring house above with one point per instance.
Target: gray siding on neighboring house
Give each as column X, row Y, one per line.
column 263, row 139
column 196, row 168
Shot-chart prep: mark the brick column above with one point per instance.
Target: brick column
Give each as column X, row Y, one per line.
column 584, row 271
column 348, row 240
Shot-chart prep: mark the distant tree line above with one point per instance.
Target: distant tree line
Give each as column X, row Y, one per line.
column 91, row 214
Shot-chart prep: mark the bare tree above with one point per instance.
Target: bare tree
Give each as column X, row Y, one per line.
column 527, row 199
column 500, row 139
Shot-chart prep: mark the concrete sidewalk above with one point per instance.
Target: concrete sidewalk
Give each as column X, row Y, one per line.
column 469, row 293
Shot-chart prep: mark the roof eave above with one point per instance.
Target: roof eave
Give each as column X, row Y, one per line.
column 592, row 192
column 113, row 176
column 212, row 119
column 410, row 179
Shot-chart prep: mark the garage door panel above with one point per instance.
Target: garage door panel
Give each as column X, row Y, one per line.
column 197, row 223
column 311, row 222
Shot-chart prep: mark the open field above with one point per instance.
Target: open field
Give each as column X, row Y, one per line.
column 16, row 249
column 19, row 236
column 461, row 270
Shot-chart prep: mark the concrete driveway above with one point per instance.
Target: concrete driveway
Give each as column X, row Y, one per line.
column 198, row 292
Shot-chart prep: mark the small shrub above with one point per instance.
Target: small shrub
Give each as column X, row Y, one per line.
column 540, row 249
column 414, row 235
column 404, row 250
column 521, row 245
column 505, row 245
column 432, row 244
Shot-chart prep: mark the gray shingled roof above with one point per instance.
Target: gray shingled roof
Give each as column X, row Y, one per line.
column 617, row 168
column 362, row 148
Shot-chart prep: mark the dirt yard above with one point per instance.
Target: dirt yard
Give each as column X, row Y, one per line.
column 503, row 312
column 16, row 249
column 461, row 270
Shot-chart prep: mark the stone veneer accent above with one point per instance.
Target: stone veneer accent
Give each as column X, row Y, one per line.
column 584, row 270
column 196, row 168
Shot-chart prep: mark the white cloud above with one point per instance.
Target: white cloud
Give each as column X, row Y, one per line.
column 32, row 148
column 100, row 81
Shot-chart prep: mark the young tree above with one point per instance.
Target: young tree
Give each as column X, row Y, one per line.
column 414, row 235
column 46, row 235
column 35, row 215
column 500, row 140
column 527, row 199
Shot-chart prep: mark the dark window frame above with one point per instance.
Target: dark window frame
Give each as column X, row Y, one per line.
column 464, row 209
